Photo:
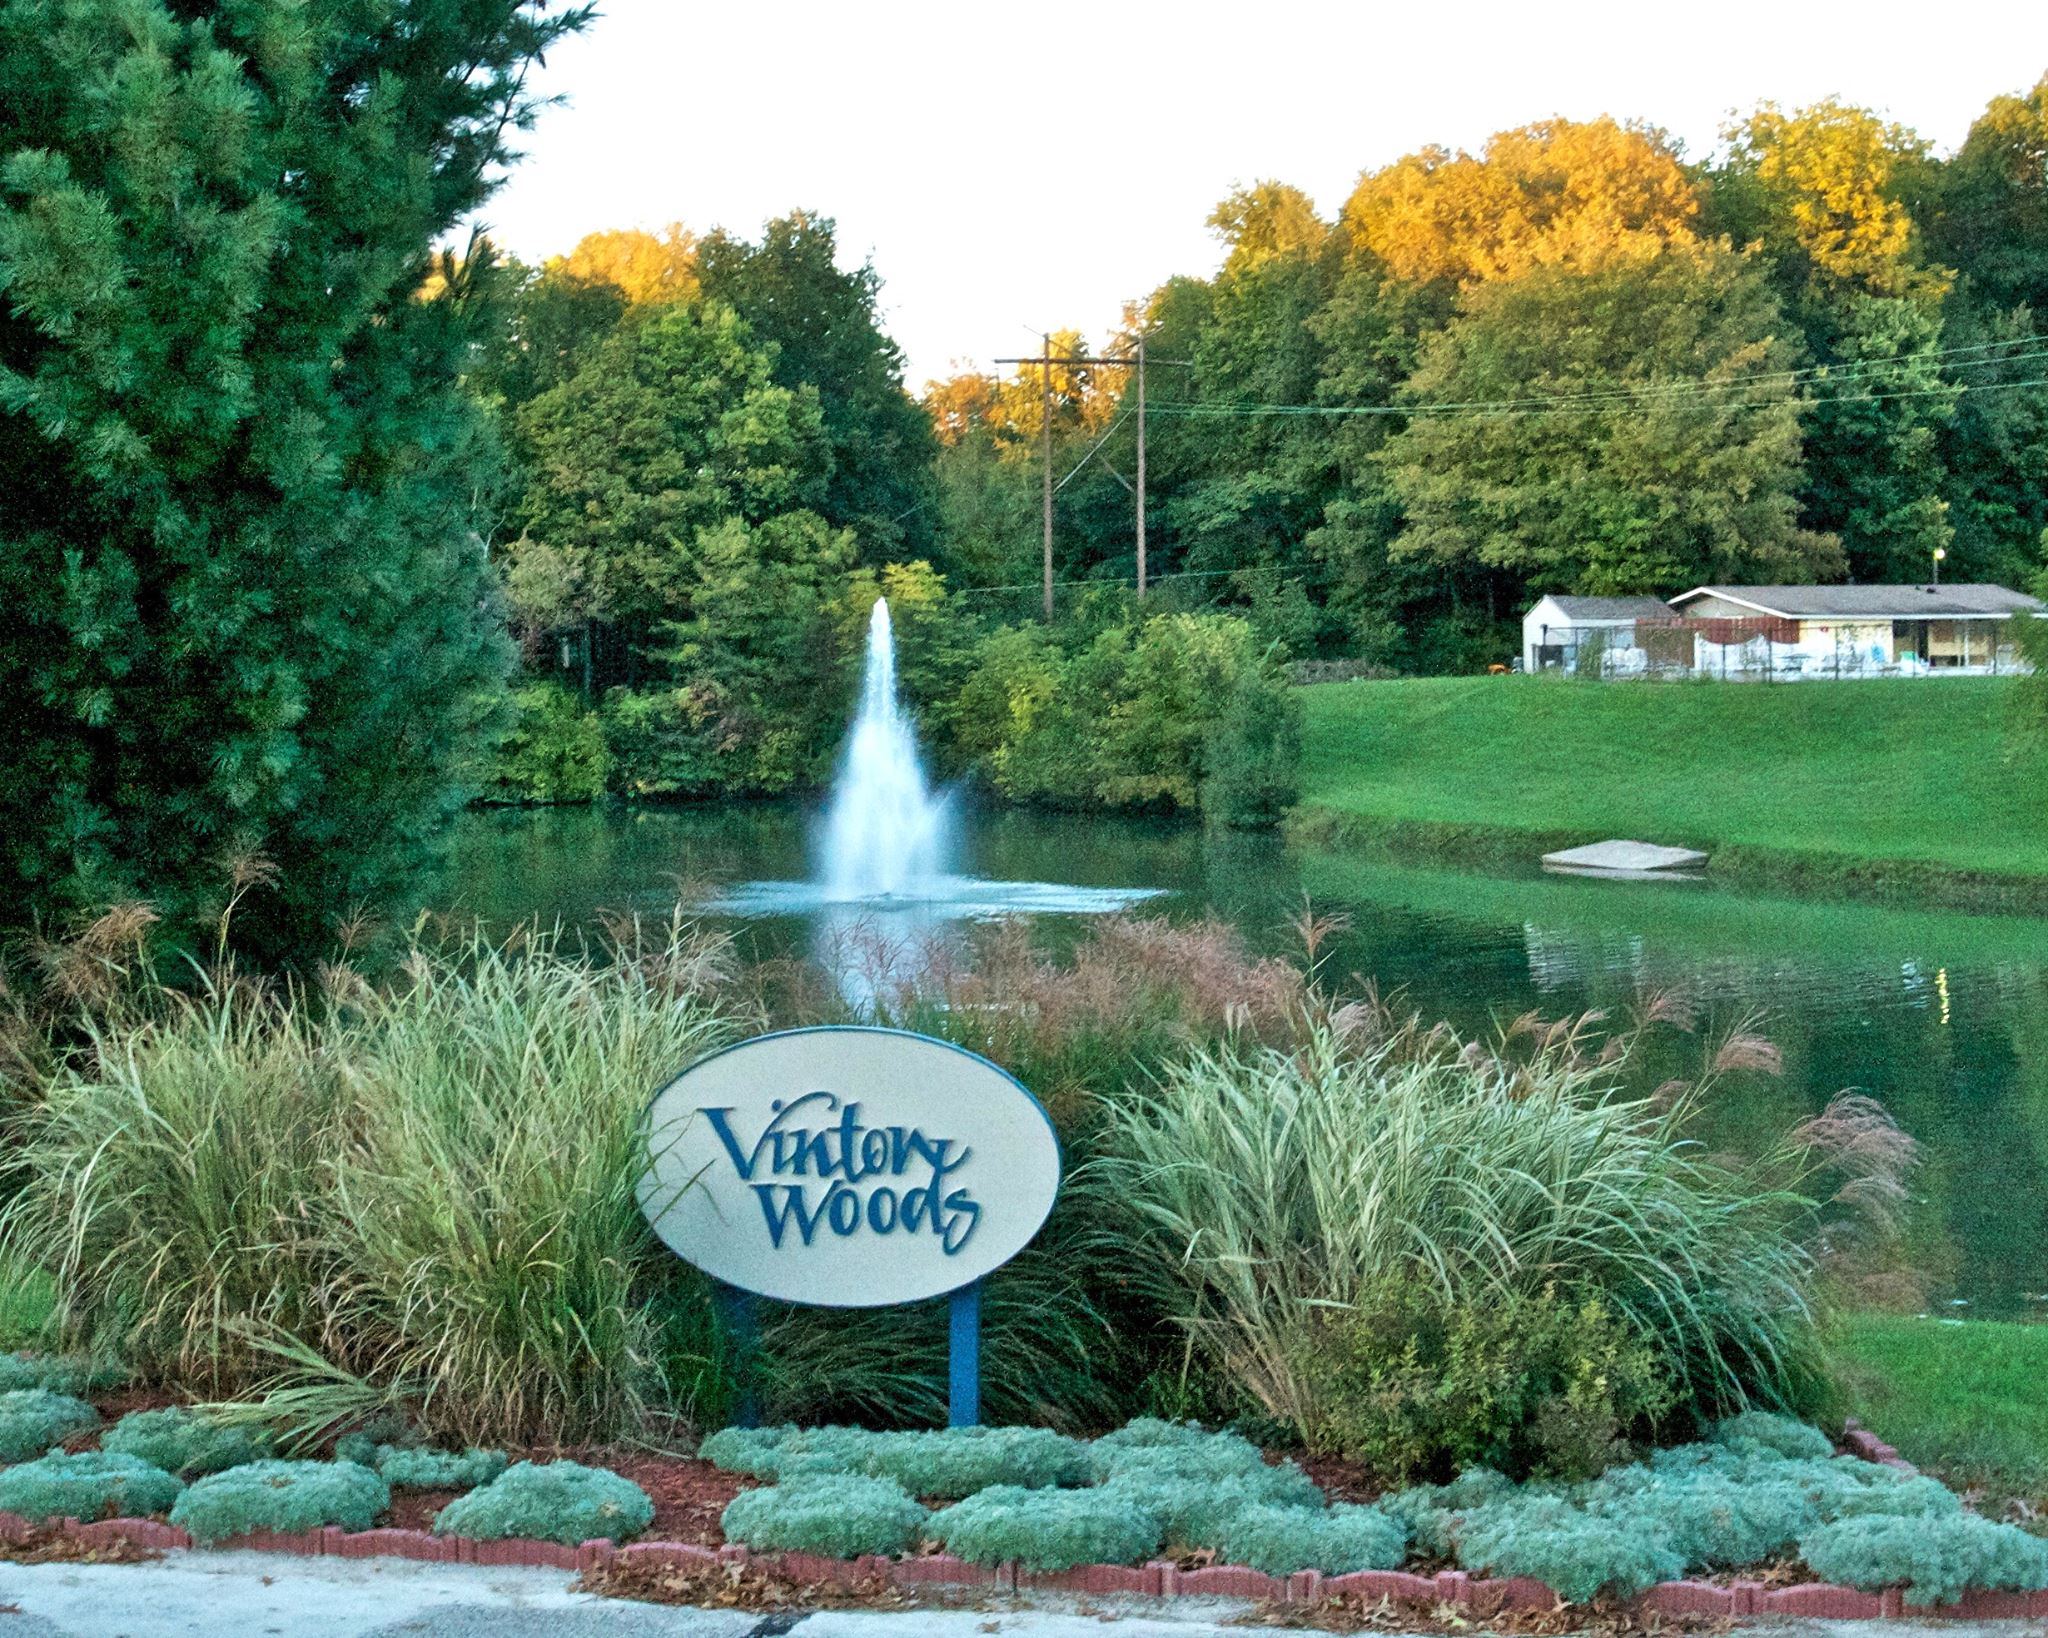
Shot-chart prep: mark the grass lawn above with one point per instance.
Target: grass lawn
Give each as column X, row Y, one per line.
column 1895, row 771
column 1967, row 1401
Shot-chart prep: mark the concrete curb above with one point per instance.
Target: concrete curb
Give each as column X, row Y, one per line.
column 1158, row 1579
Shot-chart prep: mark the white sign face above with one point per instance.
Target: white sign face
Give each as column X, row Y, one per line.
column 849, row 1168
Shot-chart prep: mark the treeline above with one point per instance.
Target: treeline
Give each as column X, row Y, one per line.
column 1574, row 361
column 714, row 471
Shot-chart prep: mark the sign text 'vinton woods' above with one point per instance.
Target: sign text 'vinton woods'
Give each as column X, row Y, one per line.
column 851, row 1167
column 817, row 1165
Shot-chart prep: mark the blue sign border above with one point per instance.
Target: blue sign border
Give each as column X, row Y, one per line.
column 1052, row 1131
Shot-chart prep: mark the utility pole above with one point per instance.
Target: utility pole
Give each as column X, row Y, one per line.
column 1045, row 362
column 1141, row 466
column 1045, row 434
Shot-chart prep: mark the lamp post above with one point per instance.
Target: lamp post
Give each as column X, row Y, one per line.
column 1940, row 552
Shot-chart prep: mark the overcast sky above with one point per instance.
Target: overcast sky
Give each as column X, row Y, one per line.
column 1017, row 168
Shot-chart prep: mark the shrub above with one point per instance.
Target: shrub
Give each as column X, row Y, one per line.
column 1281, row 1540
column 960, row 1461
column 1430, row 1512
column 745, row 1450
column 284, row 1496
column 1777, row 1435
column 554, row 750
column 1484, row 1177
column 406, row 1468
column 357, row 1446
column 60, row 1373
column 92, row 1485
column 1196, row 1508
column 34, row 1419
column 951, row 1462
column 838, row 1514
column 1936, row 1559
column 179, row 1442
column 1407, row 1382
column 1713, row 1523
column 1145, row 1443
column 1577, row 1554
column 1909, row 1496
column 554, row 1501
column 1046, row 1529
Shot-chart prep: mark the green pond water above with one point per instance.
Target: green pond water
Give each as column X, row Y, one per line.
column 1943, row 1017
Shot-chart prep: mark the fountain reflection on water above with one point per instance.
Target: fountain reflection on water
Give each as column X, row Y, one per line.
column 888, row 848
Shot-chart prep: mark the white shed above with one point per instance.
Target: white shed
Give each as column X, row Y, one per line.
column 1558, row 629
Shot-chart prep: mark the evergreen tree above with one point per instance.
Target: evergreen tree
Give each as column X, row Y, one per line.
column 247, row 600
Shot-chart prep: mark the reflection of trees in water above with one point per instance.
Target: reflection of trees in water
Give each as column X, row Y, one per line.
column 1959, row 1057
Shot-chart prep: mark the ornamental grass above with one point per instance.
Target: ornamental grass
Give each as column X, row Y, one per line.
column 1267, row 1198
column 325, row 1201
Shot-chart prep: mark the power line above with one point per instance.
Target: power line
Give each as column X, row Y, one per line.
column 1480, row 408
column 1092, row 450
column 2028, row 350
column 1119, row 580
column 1135, row 362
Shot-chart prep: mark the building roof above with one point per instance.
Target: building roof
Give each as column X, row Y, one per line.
column 1611, row 608
column 1870, row 602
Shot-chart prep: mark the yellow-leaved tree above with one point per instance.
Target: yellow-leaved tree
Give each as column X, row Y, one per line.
column 1559, row 193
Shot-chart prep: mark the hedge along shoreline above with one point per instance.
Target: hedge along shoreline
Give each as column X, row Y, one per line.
column 1158, row 1578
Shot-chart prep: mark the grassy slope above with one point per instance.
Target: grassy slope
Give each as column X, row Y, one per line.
column 1962, row 1400
column 1891, row 771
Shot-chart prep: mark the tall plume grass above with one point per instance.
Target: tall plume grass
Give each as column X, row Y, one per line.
column 1254, row 1189
column 422, row 1188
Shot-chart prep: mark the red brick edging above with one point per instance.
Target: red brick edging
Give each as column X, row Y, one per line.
column 1158, row 1579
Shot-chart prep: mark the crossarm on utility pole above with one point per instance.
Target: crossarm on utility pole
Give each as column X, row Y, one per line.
column 1045, row 361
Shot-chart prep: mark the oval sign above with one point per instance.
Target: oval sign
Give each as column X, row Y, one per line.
column 847, row 1167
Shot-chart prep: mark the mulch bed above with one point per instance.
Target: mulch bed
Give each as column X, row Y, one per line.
column 688, row 1494
column 1340, row 1481
column 52, row 1545
column 734, row 1587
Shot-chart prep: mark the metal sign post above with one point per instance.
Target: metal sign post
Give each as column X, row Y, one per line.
column 963, row 1357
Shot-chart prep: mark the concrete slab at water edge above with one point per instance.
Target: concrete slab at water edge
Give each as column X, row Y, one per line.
column 1616, row 855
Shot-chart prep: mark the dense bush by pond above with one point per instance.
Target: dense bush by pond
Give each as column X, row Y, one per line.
column 1189, row 712
column 553, row 750
column 1185, row 712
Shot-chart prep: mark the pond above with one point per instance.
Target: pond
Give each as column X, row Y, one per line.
column 1941, row 1016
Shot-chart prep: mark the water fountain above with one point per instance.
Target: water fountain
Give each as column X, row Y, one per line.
column 888, row 849
column 886, row 835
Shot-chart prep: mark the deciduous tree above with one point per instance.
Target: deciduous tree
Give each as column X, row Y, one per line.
column 1643, row 440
